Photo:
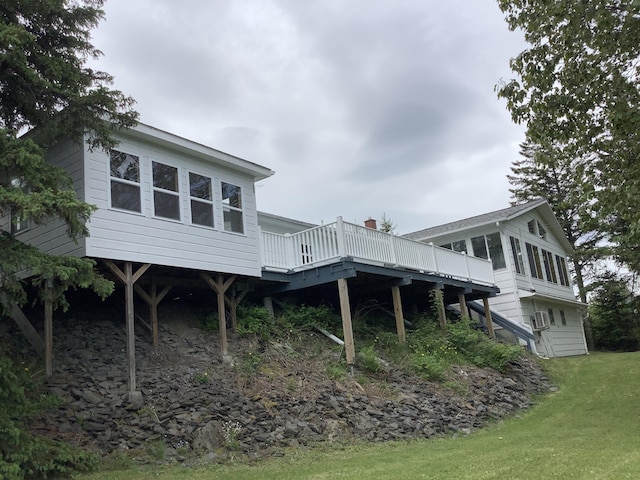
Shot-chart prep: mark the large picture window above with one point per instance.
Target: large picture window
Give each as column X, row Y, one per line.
column 166, row 194
column 201, row 200
column 232, row 208
column 125, row 181
column 489, row 246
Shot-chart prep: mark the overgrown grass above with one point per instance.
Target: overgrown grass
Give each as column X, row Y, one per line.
column 586, row 430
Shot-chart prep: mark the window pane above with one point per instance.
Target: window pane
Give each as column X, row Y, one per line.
column 233, row 221
column 165, row 176
column 125, row 196
column 495, row 251
column 459, row 246
column 231, row 195
column 125, row 166
column 479, row 247
column 200, row 186
column 532, row 227
column 201, row 213
column 517, row 255
column 552, row 319
column 166, row 205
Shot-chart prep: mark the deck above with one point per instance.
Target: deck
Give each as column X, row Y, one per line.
column 341, row 240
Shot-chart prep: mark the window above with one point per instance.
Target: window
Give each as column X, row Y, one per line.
column 18, row 222
column 552, row 320
column 457, row 246
column 479, row 247
column 166, row 195
column 536, row 228
column 125, row 181
column 517, row 255
column 489, row 246
column 201, row 200
column 562, row 271
column 534, row 261
column 563, row 319
column 232, row 208
column 549, row 267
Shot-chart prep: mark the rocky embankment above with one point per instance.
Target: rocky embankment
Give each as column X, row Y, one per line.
column 198, row 407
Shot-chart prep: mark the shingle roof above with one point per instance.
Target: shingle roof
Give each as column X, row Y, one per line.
column 486, row 218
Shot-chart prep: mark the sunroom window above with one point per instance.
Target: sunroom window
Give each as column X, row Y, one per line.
column 201, row 200
column 489, row 246
column 232, row 208
column 166, row 194
column 125, row 181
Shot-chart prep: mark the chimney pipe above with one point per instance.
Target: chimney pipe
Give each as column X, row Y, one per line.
column 371, row 223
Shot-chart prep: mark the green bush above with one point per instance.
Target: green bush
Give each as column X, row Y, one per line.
column 367, row 360
column 254, row 320
column 23, row 455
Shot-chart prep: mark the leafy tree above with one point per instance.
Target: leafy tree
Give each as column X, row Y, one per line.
column 614, row 315
column 578, row 93
column 47, row 88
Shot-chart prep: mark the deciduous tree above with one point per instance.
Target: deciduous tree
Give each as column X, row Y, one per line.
column 578, row 93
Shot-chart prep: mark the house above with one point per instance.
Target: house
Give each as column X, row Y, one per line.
column 172, row 213
column 528, row 251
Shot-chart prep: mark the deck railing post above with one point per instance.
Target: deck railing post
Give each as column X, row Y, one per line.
column 290, row 253
column 342, row 241
column 394, row 256
column 466, row 265
column 435, row 258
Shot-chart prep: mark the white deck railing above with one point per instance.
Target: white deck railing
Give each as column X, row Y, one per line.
column 327, row 243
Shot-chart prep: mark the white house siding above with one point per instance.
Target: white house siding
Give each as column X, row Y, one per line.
column 121, row 235
column 52, row 237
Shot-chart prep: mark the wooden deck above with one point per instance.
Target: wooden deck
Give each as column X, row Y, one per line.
column 342, row 240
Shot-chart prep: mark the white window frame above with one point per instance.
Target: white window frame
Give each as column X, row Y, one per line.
column 137, row 184
column 228, row 208
column 164, row 191
column 540, row 320
column 518, row 259
column 210, row 202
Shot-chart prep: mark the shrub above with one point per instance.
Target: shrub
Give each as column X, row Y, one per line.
column 23, row 455
column 254, row 320
column 367, row 360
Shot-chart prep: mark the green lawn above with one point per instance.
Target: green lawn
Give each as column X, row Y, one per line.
column 589, row 429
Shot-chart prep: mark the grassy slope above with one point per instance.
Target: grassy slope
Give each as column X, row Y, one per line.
column 589, row 429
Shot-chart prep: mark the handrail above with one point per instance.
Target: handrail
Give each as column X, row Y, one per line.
column 340, row 239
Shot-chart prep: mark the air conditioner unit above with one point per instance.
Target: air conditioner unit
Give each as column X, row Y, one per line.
column 540, row 321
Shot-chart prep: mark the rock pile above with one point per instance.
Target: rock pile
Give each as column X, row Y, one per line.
column 196, row 404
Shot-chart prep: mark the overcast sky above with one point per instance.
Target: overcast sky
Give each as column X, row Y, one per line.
column 360, row 107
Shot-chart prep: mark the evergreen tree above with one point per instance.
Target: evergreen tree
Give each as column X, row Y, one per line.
column 614, row 314
column 578, row 88
column 547, row 172
column 47, row 88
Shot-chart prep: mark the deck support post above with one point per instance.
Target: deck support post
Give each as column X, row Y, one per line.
column 487, row 316
column 153, row 299
column 462, row 300
column 232, row 302
column 442, row 315
column 268, row 304
column 129, row 278
column 23, row 323
column 220, row 286
column 397, row 310
column 347, row 327
column 48, row 327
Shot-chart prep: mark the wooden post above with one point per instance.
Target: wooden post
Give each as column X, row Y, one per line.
column 153, row 300
column 347, row 327
column 220, row 286
column 268, row 304
column 442, row 315
column 23, row 323
column 464, row 311
column 129, row 278
column 487, row 316
column 397, row 310
column 233, row 301
column 48, row 327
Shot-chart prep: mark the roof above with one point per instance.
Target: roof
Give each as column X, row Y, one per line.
column 540, row 204
column 175, row 142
